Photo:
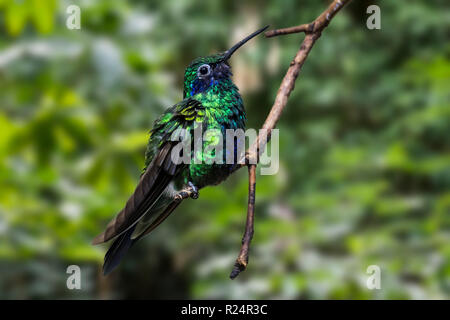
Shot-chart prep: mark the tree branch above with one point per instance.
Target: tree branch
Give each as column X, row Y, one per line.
column 314, row 27
column 297, row 29
column 313, row 32
column 242, row 260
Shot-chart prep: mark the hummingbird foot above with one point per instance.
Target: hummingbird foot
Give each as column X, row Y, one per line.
column 194, row 194
column 191, row 191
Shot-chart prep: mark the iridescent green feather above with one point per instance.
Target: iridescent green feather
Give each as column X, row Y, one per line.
column 220, row 108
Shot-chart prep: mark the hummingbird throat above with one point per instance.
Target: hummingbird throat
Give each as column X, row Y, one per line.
column 201, row 85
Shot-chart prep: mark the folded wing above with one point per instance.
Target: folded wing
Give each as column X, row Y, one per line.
column 160, row 168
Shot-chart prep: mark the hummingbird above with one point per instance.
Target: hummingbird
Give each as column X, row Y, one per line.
column 211, row 101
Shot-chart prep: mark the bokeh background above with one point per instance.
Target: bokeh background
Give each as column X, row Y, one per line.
column 364, row 150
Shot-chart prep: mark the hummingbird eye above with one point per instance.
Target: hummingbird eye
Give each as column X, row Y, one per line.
column 204, row 70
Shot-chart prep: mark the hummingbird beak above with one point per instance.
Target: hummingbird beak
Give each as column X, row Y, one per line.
column 230, row 51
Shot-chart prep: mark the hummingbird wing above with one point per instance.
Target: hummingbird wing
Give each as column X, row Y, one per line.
column 145, row 227
column 160, row 169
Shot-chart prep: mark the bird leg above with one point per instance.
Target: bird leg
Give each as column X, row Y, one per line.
column 189, row 191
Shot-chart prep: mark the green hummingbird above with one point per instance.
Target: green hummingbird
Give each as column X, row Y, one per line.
column 211, row 101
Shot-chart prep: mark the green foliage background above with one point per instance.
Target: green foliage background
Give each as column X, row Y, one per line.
column 364, row 150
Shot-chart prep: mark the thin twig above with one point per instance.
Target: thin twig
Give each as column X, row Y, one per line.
column 279, row 32
column 242, row 260
column 313, row 32
column 316, row 26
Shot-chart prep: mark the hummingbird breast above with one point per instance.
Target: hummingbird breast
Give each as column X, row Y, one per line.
column 223, row 111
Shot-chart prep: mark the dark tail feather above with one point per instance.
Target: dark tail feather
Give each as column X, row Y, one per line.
column 117, row 251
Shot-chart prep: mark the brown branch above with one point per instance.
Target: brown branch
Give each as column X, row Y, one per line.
column 313, row 32
column 314, row 27
column 279, row 32
column 242, row 260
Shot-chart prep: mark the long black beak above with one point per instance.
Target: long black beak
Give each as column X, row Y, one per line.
column 230, row 51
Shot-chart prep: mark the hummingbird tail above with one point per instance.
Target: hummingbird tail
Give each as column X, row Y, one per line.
column 117, row 251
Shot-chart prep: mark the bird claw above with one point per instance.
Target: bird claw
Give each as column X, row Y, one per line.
column 179, row 196
column 194, row 195
column 194, row 191
column 190, row 191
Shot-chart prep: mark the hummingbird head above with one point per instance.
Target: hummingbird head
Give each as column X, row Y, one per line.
column 206, row 72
